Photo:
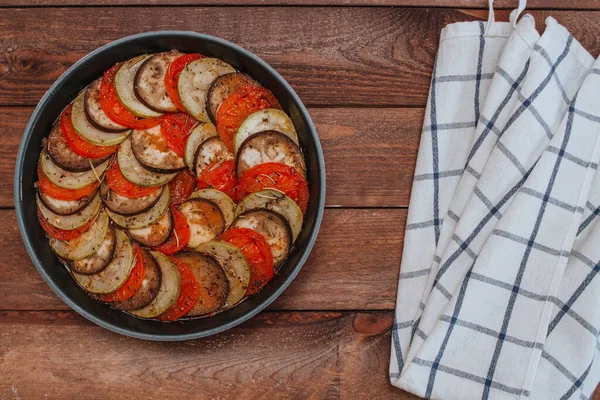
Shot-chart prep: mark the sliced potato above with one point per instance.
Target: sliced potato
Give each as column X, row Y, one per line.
column 89, row 132
column 149, row 83
column 222, row 87
column 224, row 202
column 124, row 86
column 149, row 288
column 124, row 205
column 72, row 221
column 70, row 180
column 65, row 207
column 168, row 293
column 151, row 150
column 146, row 218
column 270, row 119
column 154, row 234
column 135, row 172
column 204, row 218
column 97, row 261
column 62, row 155
column 84, row 245
column 198, row 135
column 94, row 112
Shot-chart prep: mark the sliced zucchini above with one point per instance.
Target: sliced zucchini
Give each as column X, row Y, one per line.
column 272, row 226
column 89, row 132
column 204, row 218
column 124, row 205
column 146, row 218
column 194, row 81
column 212, row 150
column 116, row 272
column 149, row 83
column 269, row 146
column 84, row 245
column 97, row 261
column 65, row 207
column 277, row 201
column 124, row 86
column 224, row 202
column 72, row 221
column 151, row 150
column 71, row 180
column 222, row 87
column 93, row 109
column 135, row 172
column 270, row 119
column 62, row 155
column 213, row 285
column 233, row 263
column 168, row 293
column 154, row 234
column 149, row 288
column 198, row 135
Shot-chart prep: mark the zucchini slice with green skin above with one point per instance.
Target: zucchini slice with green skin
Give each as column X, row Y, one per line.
column 198, row 135
column 274, row 228
column 224, row 202
column 222, row 87
column 94, row 112
column 151, row 150
column 116, row 272
column 84, row 245
column 201, row 229
column 269, row 146
column 135, row 172
column 124, row 86
column 125, row 206
column 212, row 282
column 65, row 207
column 146, row 218
column 212, row 150
column 149, row 288
column 194, row 82
column 277, row 201
column 70, row 180
column 99, row 260
column 62, row 155
column 149, row 82
column 270, row 119
column 168, row 293
column 72, row 221
column 236, row 268
column 89, row 132
column 154, row 234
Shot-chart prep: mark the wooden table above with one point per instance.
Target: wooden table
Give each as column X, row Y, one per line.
column 363, row 70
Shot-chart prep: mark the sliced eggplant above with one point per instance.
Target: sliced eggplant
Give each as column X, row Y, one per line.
column 99, row 260
column 65, row 207
column 62, row 155
column 72, row 221
column 89, row 132
column 222, row 87
column 270, row 119
column 135, row 172
column 151, row 150
column 236, row 268
column 212, row 150
column 213, row 285
column 149, row 83
column 269, row 146
column 277, row 201
column 71, row 180
column 272, row 226
column 198, row 135
column 116, row 272
column 124, row 205
column 146, row 218
column 154, row 234
column 124, row 86
column 224, row 202
column 194, row 82
column 168, row 293
column 84, row 245
column 93, row 109
column 204, row 218
column 149, row 288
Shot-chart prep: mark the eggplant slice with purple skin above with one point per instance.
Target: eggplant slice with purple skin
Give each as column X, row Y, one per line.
column 100, row 259
column 224, row 86
column 124, row 205
column 149, row 82
column 62, row 155
column 154, row 234
column 212, row 150
column 135, row 172
column 201, row 229
column 93, row 110
column 146, row 218
column 65, row 207
column 151, row 150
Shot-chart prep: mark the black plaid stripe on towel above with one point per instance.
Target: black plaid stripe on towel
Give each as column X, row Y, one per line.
column 497, row 295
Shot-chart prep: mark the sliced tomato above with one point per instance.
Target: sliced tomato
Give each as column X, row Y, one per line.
column 187, row 296
column 46, row 186
column 175, row 128
column 275, row 176
column 111, row 106
column 58, row 233
column 172, row 76
column 221, row 176
column 133, row 282
column 257, row 252
column 76, row 143
column 180, row 236
column 238, row 106
column 121, row 186
column 182, row 186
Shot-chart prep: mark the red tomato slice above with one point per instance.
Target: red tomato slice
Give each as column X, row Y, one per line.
column 58, row 233
column 188, row 295
column 180, row 236
column 76, row 143
column 133, row 282
column 172, row 76
column 275, row 176
column 114, row 109
column 121, row 186
column 221, row 176
column 175, row 128
column 46, row 186
column 257, row 252
column 238, row 106
column 182, row 186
